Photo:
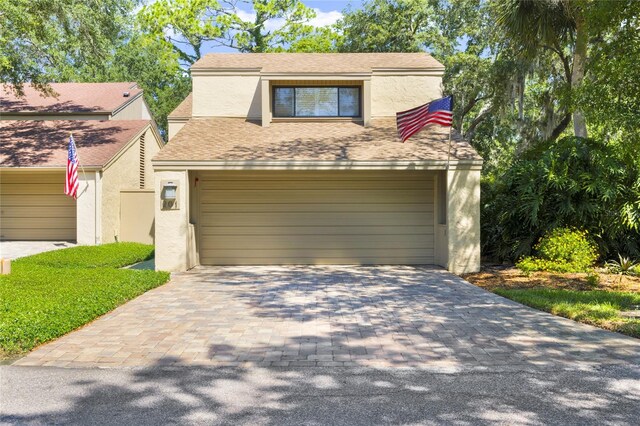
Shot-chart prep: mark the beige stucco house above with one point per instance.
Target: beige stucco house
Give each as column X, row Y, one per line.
column 295, row 159
column 116, row 140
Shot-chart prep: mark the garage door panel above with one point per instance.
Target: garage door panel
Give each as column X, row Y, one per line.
column 314, row 185
column 28, row 212
column 32, row 189
column 288, row 176
column 59, row 200
column 313, row 253
column 304, row 217
column 316, row 207
column 318, row 219
column 316, row 230
column 37, row 222
column 43, row 234
column 312, row 196
column 343, row 242
column 31, row 177
column 33, row 206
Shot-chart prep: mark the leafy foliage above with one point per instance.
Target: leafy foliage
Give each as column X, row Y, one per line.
column 39, row 39
column 573, row 182
column 51, row 294
column 623, row 266
column 186, row 26
column 561, row 250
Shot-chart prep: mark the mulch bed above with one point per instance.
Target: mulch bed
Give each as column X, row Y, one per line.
column 503, row 276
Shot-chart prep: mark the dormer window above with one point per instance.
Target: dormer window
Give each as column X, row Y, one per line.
column 322, row 101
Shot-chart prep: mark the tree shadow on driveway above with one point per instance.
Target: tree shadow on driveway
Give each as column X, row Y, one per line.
column 199, row 395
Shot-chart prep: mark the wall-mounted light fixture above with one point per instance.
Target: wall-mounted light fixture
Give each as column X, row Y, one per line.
column 169, row 195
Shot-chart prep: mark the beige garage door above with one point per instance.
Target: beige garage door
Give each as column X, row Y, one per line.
column 34, row 207
column 299, row 217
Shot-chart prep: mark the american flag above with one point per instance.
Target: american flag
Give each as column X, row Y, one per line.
column 412, row 121
column 71, row 182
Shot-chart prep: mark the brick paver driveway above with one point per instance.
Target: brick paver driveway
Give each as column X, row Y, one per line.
column 332, row 316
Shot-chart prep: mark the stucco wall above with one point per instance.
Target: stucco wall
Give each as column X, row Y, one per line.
column 135, row 110
column 227, row 96
column 124, row 173
column 174, row 127
column 152, row 147
column 137, row 215
column 172, row 226
column 463, row 220
column 88, row 208
column 393, row 93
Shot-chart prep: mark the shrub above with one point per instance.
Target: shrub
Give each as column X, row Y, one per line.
column 569, row 246
column 561, row 250
column 623, row 266
column 590, row 184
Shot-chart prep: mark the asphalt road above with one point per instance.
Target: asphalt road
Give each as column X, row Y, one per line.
column 318, row 396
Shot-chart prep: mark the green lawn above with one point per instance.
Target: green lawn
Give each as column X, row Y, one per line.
column 53, row 293
column 597, row 307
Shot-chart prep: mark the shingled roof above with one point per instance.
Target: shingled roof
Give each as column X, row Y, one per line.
column 184, row 109
column 236, row 139
column 27, row 143
column 318, row 62
column 70, row 98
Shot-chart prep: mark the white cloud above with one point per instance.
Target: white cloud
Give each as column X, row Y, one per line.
column 322, row 19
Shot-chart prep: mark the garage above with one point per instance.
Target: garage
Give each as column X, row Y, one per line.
column 315, row 217
column 34, row 207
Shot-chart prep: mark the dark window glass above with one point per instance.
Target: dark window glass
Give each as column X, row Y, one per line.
column 349, row 101
column 283, row 102
column 316, row 102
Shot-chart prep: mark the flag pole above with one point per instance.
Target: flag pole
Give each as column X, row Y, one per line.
column 450, row 131
column 78, row 157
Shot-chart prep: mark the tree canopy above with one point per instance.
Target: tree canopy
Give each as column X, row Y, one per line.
column 40, row 40
column 531, row 79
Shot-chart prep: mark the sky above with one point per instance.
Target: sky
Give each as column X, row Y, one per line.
column 327, row 13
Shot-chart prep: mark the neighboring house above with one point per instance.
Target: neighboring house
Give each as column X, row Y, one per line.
column 116, row 141
column 294, row 159
column 76, row 101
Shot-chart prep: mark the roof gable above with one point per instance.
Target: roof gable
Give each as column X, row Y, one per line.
column 184, row 109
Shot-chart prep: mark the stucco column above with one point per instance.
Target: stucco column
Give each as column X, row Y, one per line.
column 463, row 220
column 172, row 224
column 265, row 103
column 366, row 103
column 89, row 208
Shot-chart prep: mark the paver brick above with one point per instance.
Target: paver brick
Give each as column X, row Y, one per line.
column 330, row 316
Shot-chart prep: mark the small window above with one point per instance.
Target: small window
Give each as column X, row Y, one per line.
column 316, row 101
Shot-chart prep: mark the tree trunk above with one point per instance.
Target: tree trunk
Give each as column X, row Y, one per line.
column 579, row 61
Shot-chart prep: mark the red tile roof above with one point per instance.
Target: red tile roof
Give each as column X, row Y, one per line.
column 70, row 98
column 236, row 139
column 27, row 143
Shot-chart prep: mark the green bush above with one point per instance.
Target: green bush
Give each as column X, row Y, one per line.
column 561, row 250
column 572, row 182
column 114, row 255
